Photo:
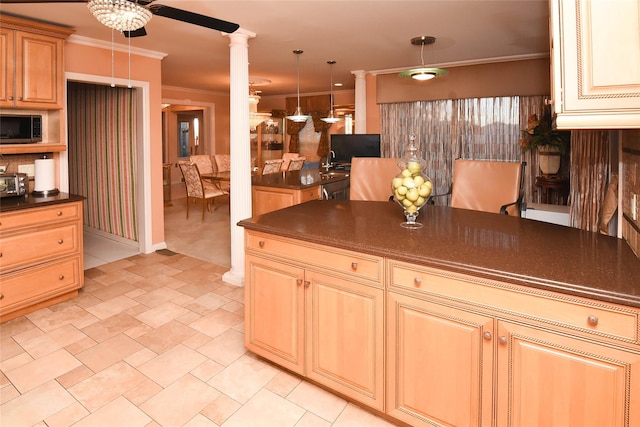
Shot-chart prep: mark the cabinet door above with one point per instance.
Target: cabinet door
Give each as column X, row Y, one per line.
column 439, row 364
column 274, row 312
column 596, row 63
column 345, row 337
column 38, row 71
column 7, row 66
column 546, row 379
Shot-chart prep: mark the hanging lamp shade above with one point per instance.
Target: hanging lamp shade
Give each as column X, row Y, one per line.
column 121, row 15
column 423, row 73
column 331, row 117
column 298, row 116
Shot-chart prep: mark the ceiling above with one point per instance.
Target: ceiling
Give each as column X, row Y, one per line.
column 359, row 35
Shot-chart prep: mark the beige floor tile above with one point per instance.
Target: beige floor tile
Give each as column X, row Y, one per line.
column 118, row 277
column 67, row 416
column 226, row 348
column 81, row 345
column 140, row 357
column 143, row 392
column 266, row 409
column 52, row 341
column 283, row 383
column 112, row 306
column 10, row 349
column 353, row 416
column 206, row 370
column 166, row 336
column 310, row 419
column 207, row 303
column 172, row 364
column 221, row 409
column 110, row 327
column 161, row 314
column 181, row 401
column 16, row 361
column 314, row 399
column 75, row 376
column 15, row 326
column 158, row 297
column 48, row 320
column 8, row 393
column 27, row 335
column 200, row 421
column 119, row 412
column 107, row 385
column 39, row 371
column 108, row 352
column 216, row 323
column 243, row 378
column 35, row 405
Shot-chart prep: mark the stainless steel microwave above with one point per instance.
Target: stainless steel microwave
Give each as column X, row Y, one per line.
column 20, row 129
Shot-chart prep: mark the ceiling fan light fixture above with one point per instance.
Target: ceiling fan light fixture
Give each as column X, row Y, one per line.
column 121, row 15
column 331, row 117
column 298, row 116
column 423, row 73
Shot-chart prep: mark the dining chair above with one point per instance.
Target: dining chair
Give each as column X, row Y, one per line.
column 223, row 162
column 371, row 178
column 286, row 159
column 203, row 161
column 196, row 189
column 271, row 166
column 296, row 164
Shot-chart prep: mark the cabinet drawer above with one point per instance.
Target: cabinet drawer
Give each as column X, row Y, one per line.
column 557, row 309
column 337, row 260
column 39, row 216
column 20, row 249
column 309, row 194
column 30, row 286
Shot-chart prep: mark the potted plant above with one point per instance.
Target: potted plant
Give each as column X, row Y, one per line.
column 550, row 143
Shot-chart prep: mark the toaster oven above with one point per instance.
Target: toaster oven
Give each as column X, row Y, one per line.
column 13, row 184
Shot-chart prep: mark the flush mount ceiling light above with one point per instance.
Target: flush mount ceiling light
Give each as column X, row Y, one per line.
column 423, row 73
column 297, row 115
column 331, row 118
column 121, row 15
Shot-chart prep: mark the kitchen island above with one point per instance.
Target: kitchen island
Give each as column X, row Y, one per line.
column 280, row 190
column 474, row 319
column 41, row 252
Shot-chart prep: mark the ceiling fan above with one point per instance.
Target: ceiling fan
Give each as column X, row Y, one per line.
column 155, row 9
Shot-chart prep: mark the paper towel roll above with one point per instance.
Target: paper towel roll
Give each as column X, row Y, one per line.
column 45, row 175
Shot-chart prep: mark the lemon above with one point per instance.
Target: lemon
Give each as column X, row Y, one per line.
column 420, row 201
column 414, row 168
column 412, row 194
column 408, row 182
column 406, row 203
column 411, row 209
column 396, row 182
column 418, row 181
column 402, row 190
column 424, row 190
column 406, row 173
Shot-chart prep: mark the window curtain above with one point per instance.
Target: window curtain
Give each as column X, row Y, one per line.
column 102, row 157
column 590, row 168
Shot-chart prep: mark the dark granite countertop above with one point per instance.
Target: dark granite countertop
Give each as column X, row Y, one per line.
column 295, row 180
column 8, row 204
column 510, row 249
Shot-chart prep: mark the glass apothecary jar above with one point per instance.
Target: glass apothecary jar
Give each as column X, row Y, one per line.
column 411, row 187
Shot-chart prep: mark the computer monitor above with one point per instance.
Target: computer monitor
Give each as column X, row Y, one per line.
column 346, row 146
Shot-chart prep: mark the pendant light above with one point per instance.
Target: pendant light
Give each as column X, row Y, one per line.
column 423, row 73
column 331, row 118
column 297, row 115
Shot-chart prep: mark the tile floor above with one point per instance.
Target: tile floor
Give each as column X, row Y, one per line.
column 152, row 340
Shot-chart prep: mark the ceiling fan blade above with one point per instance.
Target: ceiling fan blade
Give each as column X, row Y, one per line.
column 135, row 33
column 193, row 18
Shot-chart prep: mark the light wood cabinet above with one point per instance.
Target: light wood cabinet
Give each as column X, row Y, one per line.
column 32, row 64
column 304, row 313
column 41, row 257
column 267, row 199
column 595, row 54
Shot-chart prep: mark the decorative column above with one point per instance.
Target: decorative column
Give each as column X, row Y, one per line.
column 240, row 150
column 361, row 101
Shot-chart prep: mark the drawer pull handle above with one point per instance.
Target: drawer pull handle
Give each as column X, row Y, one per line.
column 592, row 320
column 502, row 339
column 1, row 296
column 417, row 281
column 60, row 241
column 487, row 336
column 61, row 277
column 59, row 213
column 354, row 265
column 298, row 282
column 261, row 243
column 306, row 283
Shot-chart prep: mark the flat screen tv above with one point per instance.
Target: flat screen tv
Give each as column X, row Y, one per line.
column 355, row 145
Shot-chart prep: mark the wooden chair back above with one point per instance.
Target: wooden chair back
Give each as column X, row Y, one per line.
column 370, row 178
column 203, row 161
column 271, row 166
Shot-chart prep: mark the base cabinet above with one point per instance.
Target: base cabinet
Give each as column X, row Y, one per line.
column 267, row 199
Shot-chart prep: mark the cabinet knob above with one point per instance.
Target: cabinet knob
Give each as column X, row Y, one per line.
column 61, row 277
column 592, row 320
column 60, row 241
column 298, row 282
column 354, row 265
column 417, row 281
column 306, row 283
column 487, row 336
column 261, row 243
column 1, row 296
column 11, row 98
column 502, row 339
column 59, row 213
column 0, row 254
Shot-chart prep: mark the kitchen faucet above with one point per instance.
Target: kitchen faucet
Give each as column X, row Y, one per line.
column 329, row 164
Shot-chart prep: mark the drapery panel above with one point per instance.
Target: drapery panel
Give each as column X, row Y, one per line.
column 102, row 129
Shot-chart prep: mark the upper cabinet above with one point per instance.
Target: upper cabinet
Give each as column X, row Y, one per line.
column 31, row 63
column 595, row 56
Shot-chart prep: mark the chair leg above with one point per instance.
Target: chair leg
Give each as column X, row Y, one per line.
column 204, row 202
column 187, row 207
